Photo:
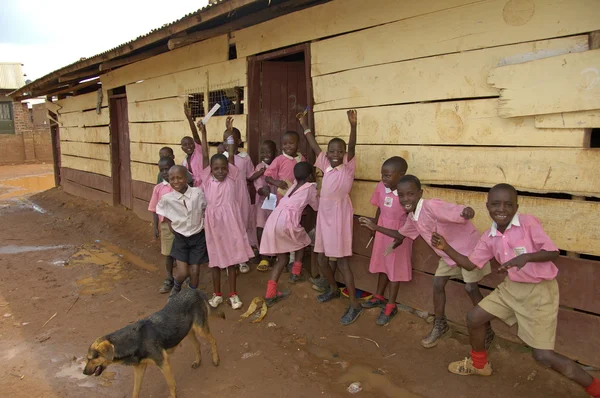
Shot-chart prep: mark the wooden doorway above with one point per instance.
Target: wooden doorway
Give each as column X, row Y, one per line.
column 55, row 136
column 279, row 87
column 119, row 149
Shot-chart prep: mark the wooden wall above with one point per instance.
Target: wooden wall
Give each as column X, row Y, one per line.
column 471, row 94
column 85, row 147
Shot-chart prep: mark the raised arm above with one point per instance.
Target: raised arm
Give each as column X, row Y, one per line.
column 188, row 115
column 231, row 149
column 204, row 144
column 353, row 119
column 310, row 137
column 439, row 242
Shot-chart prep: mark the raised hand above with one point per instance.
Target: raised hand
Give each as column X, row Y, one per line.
column 229, row 123
column 201, row 126
column 352, row 117
column 438, row 241
column 187, row 109
column 468, row 213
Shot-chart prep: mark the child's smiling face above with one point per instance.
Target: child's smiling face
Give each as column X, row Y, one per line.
column 219, row 169
column 409, row 195
column 335, row 153
column 267, row 153
column 187, row 145
column 178, row 178
column 502, row 206
column 289, row 144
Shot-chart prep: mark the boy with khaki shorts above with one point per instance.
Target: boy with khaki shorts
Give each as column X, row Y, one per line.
column 161, row 227
column 529, row 294
column 429, row 216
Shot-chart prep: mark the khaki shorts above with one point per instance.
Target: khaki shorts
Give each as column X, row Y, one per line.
column 166, row 239
column 533, row 306
column 460, row 273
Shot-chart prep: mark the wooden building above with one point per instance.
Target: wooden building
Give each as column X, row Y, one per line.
column 470, row 92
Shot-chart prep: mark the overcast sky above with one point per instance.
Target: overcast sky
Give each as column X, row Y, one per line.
column 47, row 35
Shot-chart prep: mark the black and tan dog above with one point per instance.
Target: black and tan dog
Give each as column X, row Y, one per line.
column 152, row 339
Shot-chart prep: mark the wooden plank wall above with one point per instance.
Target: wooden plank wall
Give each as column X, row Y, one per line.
column 85, row 147
column 419, row 78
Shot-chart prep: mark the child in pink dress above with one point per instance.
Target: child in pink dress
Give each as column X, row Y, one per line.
column 284, row 234
column 393, row 267
column 268, row 149
column 333, row 237
column 226, row 238
column 246, row 168
column 193, row 149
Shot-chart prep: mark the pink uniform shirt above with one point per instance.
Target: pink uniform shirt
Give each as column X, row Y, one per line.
column 434, row 214
column 333, row 235
column 158, row 192
column 195, row 167
column 282, row 167
column 523, row 235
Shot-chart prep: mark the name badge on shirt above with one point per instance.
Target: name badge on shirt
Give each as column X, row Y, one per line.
column 520, row 250
column 388, row 201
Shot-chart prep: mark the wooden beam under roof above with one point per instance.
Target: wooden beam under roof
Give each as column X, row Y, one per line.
column 79, row 75
column 71, row 88
column 240, row 23
column 222, row 8
column 115, row 63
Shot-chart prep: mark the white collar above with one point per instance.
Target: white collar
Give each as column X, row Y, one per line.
column 329, row 168
column 297, row 158
column 515, row 221
column 415, row 215
column 265, row 164
column 187, row 194
column 241, row 154
column 395, row 191
column 165, row 182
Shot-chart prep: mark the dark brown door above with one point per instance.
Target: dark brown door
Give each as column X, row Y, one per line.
column 121, row 160
column 283, row 95
column 55, row 136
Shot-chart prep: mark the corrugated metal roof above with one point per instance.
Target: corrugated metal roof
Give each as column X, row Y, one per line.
column 11, row 76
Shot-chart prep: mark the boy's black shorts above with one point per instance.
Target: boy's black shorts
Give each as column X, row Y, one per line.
column 190, row 249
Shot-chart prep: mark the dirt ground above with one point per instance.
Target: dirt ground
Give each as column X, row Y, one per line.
column 71, row 271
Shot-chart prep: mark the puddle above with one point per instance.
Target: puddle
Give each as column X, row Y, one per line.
column 24, row 249
column 74, row 370
column 114, row 262
column 24, row 186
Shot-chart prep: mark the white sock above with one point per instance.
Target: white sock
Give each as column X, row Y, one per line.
column 292, row 257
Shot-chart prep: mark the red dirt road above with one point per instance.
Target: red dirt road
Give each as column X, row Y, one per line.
column 98, row 268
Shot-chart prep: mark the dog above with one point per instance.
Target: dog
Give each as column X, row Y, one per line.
column 152, row 339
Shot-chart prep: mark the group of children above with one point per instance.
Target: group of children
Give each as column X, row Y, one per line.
column 216, row 204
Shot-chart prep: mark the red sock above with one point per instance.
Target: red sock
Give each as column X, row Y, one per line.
column 218, row 294
column 377, row 296
column 271, row 289
column 594, row 388
column 297, row 268
column 232, row 294
column 479, row 359
column 389, row 308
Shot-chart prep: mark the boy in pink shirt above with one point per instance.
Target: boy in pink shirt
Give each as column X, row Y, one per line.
column 529, row 294
column 161, row 227
column 192, row 148
column 425, row 217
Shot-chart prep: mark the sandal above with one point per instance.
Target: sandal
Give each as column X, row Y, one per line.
column 263, row 266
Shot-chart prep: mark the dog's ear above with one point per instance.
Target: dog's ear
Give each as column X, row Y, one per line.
column 106, row 349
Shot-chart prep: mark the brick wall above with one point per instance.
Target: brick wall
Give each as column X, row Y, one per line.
column 29, row 143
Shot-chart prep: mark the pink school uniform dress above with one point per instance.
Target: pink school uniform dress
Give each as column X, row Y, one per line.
column 283, row 232
column 282, row 168
column 333, row 235
column 396, row 265
column 261, row 214
column 195, row 164
column 434, row 215
column 246, row 169
column 226, row 238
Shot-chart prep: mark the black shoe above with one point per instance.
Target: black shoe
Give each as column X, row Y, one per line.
column 373, row 303
column 278, row 297
column 320, row 284
column 328, row 295
column 351, row 315
column 296, row 278
column 166, row 286
column 383, row 319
